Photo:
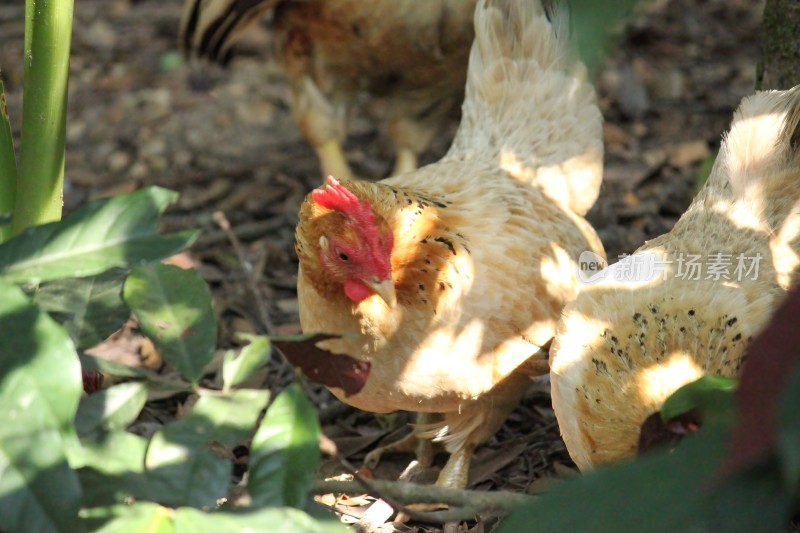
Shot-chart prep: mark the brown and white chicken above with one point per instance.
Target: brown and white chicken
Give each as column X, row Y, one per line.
column 453, row 276
column 687, row 303
column 412, row 53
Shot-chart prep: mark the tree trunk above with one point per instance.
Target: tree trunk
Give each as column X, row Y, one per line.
column 780, row 46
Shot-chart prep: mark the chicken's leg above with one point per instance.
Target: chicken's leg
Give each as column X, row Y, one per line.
column 333, row 161
column 323, row 123
column 471, row 427
column 456, row 472
column 422, row 448
column 406, row 161
column 411, row 137
column 414, row 123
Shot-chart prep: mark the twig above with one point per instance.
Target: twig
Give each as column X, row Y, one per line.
column 365, row 484
column 263, row 310
column 467, row 503
column 248, row 230
column 285, row 366
column 472, row 503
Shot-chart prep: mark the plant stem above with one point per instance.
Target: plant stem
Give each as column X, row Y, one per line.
column 48, row 29
column 476, row 501
column 8, row 167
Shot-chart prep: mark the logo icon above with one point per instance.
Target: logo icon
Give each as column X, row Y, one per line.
column 637, row 269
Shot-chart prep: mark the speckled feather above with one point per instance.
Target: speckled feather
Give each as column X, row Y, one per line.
column 484, row 258
column 623, row 348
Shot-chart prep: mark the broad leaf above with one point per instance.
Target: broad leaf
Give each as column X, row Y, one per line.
column 101, row 235
column 106, row 366
column 40, row 384
column 772, row 358
column 658, row 493
column 788, row 440
column 173, row 306
column 707, row 394
column 596, row 26
column 236, row 369
column 285, row 451
column 188, row 456
column 90, row 308
column 277, row 519
column 109, row 409
column 155, row 381
column 751, row 500
column 144, row 517
column 111, row 469
column 115, row 452
column 679, row 490
column 141, row 517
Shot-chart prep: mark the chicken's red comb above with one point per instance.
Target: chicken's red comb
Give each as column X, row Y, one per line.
column 336, row 196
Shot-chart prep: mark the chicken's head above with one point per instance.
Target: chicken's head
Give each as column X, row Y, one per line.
column 357, row 251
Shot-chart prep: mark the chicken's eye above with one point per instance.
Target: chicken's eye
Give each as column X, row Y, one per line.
column 343, row 256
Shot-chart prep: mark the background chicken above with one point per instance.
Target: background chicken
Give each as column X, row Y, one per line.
column 455, row 274
column 412, row 53
column 623, row 347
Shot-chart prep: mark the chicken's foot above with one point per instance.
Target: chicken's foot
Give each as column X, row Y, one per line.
column 424, row 449
column 454, row 475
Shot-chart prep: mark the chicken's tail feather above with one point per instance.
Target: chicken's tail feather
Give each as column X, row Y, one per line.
column 210, row 28
column 529, row 107
column 763, row 144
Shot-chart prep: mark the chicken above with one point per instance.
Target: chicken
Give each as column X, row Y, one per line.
column 410, row 52
column 630, row 340
column 453, row 276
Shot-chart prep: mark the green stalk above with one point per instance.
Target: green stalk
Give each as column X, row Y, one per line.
column 8, row 167
column 48, row 29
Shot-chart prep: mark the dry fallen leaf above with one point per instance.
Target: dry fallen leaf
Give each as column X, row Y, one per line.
column 331, row 370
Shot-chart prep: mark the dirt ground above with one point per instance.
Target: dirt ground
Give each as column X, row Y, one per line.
column 224, row 139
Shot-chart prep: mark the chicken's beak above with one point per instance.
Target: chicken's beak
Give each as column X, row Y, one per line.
column 385, row 289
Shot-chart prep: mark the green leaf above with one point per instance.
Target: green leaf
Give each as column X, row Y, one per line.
column 255, row 355
column 113, row 408
column 40, row 384
column 101, row 235
column 155, row 381
column 173, row 306
column 182, row 456
column 141, row 517
column 751, row 500
column 90, row 308
column 658, row 493
column 704, row 170
column 281, row 519
column 285, row 451
column 111, row 470
column 679, row 490
column 596, row 26
column 788, row 439
column 8, row 166
column 711, row 394
column 171, row 60
column 115, row 452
